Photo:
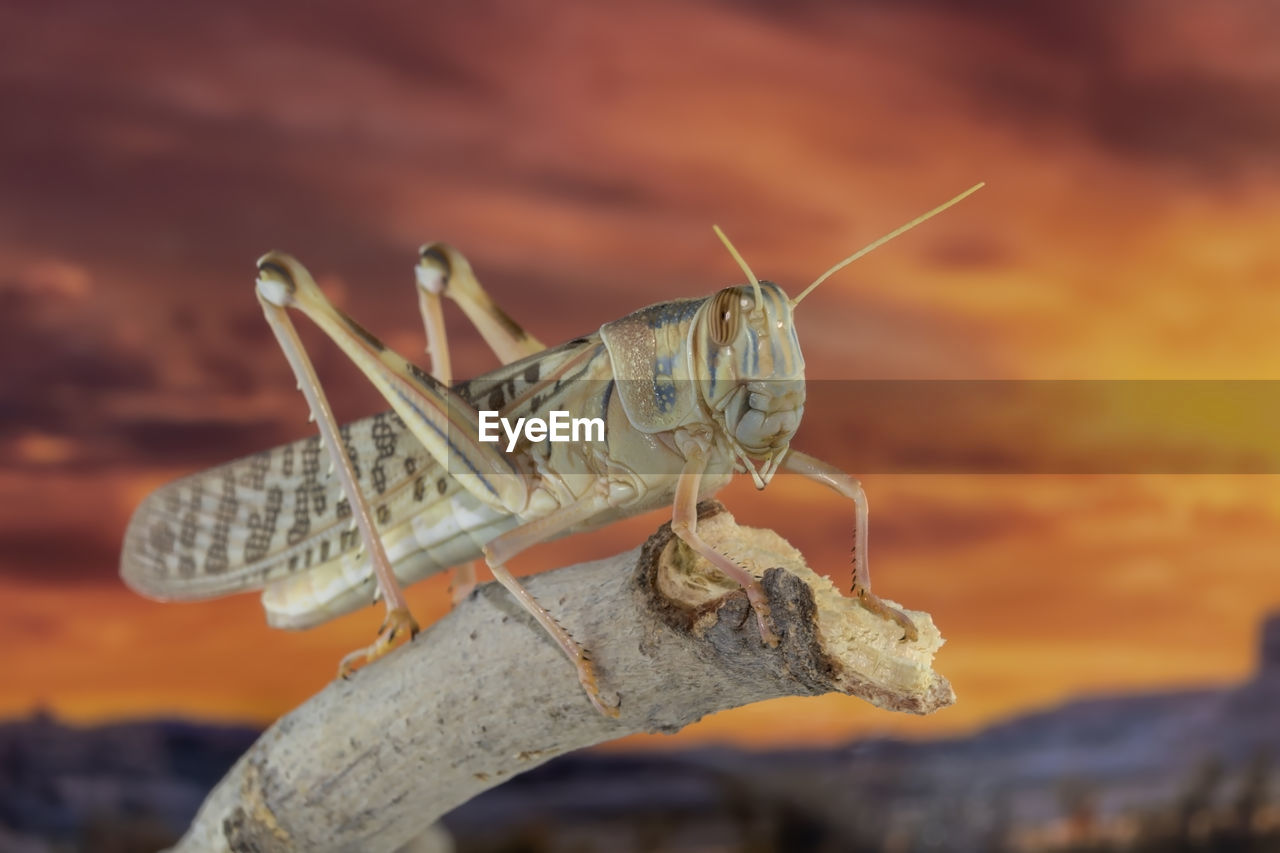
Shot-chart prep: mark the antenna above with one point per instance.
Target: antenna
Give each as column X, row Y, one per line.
column 755, row 282
column 878, row 243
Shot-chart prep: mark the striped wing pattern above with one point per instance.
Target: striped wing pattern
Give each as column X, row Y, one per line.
column 247, row 523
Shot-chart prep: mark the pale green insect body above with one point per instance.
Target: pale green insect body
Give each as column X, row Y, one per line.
column 689, row 392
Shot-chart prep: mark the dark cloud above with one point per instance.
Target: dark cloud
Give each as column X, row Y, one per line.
column 152, row 150
column 68, row 376
column 1212, row 124
column 192, row 142
column 1157, row 83
column 232, row 129
column 1150, row 82
column 211, row 191
column 49, row 554
column 58, row 361
column 581, row 187
column 165, row 147
column 971, row 252
column 199, row 442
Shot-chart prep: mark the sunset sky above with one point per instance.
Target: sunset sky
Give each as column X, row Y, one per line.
column 150, row 152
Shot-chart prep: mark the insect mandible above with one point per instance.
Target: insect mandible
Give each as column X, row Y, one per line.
column 690, row 391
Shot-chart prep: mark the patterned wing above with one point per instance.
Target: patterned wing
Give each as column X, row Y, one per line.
column 244, row 524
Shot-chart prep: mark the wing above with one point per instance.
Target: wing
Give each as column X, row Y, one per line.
column 245, row 524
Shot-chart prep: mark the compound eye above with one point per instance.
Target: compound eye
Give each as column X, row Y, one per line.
column 726, row 313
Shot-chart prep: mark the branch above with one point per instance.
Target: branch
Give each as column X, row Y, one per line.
column 483, row 695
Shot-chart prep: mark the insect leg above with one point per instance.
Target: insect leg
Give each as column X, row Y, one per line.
column 445, row 423
column 684, row 523
column 399, row 623
column 443, row 271
column 504, row 547
column 844, row 484
column 432, row 310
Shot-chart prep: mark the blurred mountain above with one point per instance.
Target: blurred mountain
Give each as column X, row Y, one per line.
column 116, row 788
column 1187, row 770
column 1151, row 771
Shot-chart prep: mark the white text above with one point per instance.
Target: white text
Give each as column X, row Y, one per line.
column 559, row 426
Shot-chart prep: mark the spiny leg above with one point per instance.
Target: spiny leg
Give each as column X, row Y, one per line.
column 445, row 423
column 399, row 624
column 432, row 279
column 499, row 551
column 443, row 271
column 431, row 308
column 684, row 524
column 844, row 484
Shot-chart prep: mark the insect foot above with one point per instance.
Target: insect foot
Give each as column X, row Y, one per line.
column 764, row 616
column 397, row 629
column 850, row 643
column 874, row 604
column 587, row 678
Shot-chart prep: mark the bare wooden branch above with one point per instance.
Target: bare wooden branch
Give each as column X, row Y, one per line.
column 369, row 763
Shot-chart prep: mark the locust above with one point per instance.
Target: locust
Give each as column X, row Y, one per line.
column 691, row 392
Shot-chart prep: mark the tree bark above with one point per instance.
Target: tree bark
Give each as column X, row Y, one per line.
column 369, row 763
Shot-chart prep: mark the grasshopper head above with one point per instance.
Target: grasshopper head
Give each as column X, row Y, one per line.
column 748, row 358
column 751, row 371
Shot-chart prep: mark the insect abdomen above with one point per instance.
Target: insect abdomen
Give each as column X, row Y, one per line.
column 447, row 533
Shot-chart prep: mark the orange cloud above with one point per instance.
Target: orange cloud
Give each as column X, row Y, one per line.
column 579, row 159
